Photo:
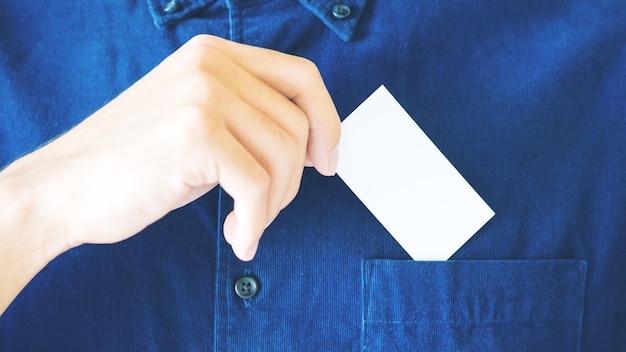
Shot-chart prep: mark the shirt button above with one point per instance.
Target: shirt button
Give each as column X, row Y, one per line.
column 246, row 287
column 171, row 7
column 341, row 11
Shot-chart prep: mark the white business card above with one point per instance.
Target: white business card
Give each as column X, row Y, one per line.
column 406, row 182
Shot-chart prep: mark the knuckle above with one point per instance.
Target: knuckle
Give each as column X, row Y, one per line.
column 291, row 151
column 307, row 66
column 297, row 132
column 203, row 40
column 301, row 126
column 292, row 191
column 193, row 127
column 309, row 72
column 202, row 53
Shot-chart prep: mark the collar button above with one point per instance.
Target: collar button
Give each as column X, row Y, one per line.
column 341, row 11
column 172, row 7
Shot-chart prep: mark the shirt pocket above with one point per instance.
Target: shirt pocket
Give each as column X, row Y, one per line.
column 525, row 305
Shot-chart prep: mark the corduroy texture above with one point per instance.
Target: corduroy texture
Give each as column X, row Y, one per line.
column 526, row 98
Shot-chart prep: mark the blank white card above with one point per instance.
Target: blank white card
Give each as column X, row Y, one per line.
column 406, row 182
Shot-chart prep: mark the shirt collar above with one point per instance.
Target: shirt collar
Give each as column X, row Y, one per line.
column 169, row 12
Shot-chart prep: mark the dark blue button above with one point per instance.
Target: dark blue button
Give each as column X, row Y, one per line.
column 246, row 287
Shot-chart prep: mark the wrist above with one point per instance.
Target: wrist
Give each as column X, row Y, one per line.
column 27, row 215
column 29, row 240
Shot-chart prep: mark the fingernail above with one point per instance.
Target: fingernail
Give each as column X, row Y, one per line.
column 333, row 160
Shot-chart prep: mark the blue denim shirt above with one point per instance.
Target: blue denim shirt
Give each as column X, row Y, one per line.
column 526, row 98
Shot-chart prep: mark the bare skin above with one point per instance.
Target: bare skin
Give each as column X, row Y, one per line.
column 214, row 112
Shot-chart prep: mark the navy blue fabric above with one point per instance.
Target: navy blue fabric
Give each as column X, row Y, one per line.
column 526, row 98
column 473, row 305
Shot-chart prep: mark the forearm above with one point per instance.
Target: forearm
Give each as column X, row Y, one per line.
column 29, row 239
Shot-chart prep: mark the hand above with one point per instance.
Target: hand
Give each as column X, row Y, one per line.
column 213, row 112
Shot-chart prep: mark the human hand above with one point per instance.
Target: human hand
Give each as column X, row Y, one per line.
column 213, row 112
